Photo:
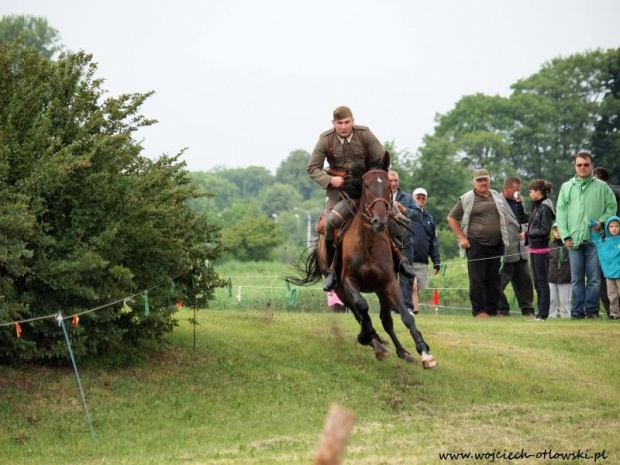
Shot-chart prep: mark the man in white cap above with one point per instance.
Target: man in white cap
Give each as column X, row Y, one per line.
column 425, row 245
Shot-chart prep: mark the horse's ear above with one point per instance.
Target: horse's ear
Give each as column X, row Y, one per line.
column 386, row 160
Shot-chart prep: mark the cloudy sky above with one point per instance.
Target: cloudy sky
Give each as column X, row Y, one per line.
column 242, row 82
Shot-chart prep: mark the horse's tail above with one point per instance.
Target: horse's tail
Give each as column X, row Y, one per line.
column 307, row 267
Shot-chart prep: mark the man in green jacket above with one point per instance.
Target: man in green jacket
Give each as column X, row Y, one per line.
column 584, row 203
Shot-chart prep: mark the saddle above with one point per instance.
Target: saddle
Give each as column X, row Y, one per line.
column 338, row 232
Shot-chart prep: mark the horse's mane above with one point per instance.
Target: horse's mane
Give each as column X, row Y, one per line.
column 376, row 164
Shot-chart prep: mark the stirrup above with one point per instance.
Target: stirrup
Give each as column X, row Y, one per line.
column 330, row 280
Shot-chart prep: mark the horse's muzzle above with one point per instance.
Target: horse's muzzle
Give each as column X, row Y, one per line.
column 379, row 224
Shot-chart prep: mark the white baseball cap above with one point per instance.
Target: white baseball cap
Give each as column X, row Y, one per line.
column 420, row 190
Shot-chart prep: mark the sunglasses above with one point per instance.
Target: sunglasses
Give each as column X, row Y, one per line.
column 582, row 165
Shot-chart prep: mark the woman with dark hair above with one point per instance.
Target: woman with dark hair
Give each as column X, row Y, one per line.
column 537, row 238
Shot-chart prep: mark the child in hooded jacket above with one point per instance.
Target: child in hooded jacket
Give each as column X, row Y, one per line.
column 559, row 276
column 608, row 249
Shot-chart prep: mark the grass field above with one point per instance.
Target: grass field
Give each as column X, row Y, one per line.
column 260, row 382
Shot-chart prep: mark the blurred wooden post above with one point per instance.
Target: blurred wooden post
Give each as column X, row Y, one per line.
column 336, row 433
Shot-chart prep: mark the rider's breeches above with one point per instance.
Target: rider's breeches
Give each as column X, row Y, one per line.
column 343, row 210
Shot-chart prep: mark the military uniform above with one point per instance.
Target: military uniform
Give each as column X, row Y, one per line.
column 346, row 157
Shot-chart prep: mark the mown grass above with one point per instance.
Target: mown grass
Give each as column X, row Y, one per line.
column 260, row 383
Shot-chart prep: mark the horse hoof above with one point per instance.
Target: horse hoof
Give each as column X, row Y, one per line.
column 429, row 364
column 407, row 357
column 381, row 355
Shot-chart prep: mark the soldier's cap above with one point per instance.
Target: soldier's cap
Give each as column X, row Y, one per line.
column 342, row 113
column 420, row 190
column 481, row 173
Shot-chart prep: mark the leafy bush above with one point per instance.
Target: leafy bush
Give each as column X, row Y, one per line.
column 85, row 219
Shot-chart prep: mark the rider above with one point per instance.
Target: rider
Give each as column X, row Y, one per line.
column 344, row 147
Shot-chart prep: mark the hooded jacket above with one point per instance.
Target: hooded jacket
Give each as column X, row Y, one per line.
column 540, row 223
column 582, row 200
column 608, row 250
column 559, row 263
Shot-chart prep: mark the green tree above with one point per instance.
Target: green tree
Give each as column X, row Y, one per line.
column 277, row 198
column 254, row 238
column 32, row 31
column 85, row 219
column 443, row 175
column 535, row 131
column 569, row 94
column 293, row 171
column 219, row 193
column 401, row 161
column 250, row 181
column 606, row 138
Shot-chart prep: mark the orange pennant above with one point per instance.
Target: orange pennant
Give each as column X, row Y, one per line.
column 75, row 321
column 179, row 304
column 436, row 297
column 18, row 329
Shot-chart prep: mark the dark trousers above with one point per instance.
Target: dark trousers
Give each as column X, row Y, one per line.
column 540, row 272
column 406, row 287
column 517, row 273
column 483, row 264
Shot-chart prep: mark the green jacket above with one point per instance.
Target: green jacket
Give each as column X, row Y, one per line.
column 579, row 202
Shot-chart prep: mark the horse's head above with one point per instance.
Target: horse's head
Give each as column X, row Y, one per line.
column 376, row 197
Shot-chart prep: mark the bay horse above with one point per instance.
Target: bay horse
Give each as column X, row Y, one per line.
column 366, row 265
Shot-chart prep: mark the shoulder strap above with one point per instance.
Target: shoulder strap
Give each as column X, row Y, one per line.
column 362, row 139
column 330, row 148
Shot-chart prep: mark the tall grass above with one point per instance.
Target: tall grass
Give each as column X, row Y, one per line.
column 265, row 370
column 258, row 386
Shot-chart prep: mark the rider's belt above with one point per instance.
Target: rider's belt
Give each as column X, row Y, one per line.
column 333, row 172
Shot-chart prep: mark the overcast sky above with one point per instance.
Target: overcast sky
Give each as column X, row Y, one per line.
column 243, row 82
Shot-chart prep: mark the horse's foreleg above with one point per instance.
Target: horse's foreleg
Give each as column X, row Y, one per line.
column 359, row 307
column 388, row 325
column 428, row 361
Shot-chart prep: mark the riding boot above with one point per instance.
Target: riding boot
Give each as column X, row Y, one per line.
column 403, row 266
column 405, row 269
column 331, row 279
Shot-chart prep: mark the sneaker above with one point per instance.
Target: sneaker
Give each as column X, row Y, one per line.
column 593, row 316
column 529, row 316
column 614, row 317
column 482, row 315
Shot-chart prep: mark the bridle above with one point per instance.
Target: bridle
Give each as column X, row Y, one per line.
column 367, row 212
